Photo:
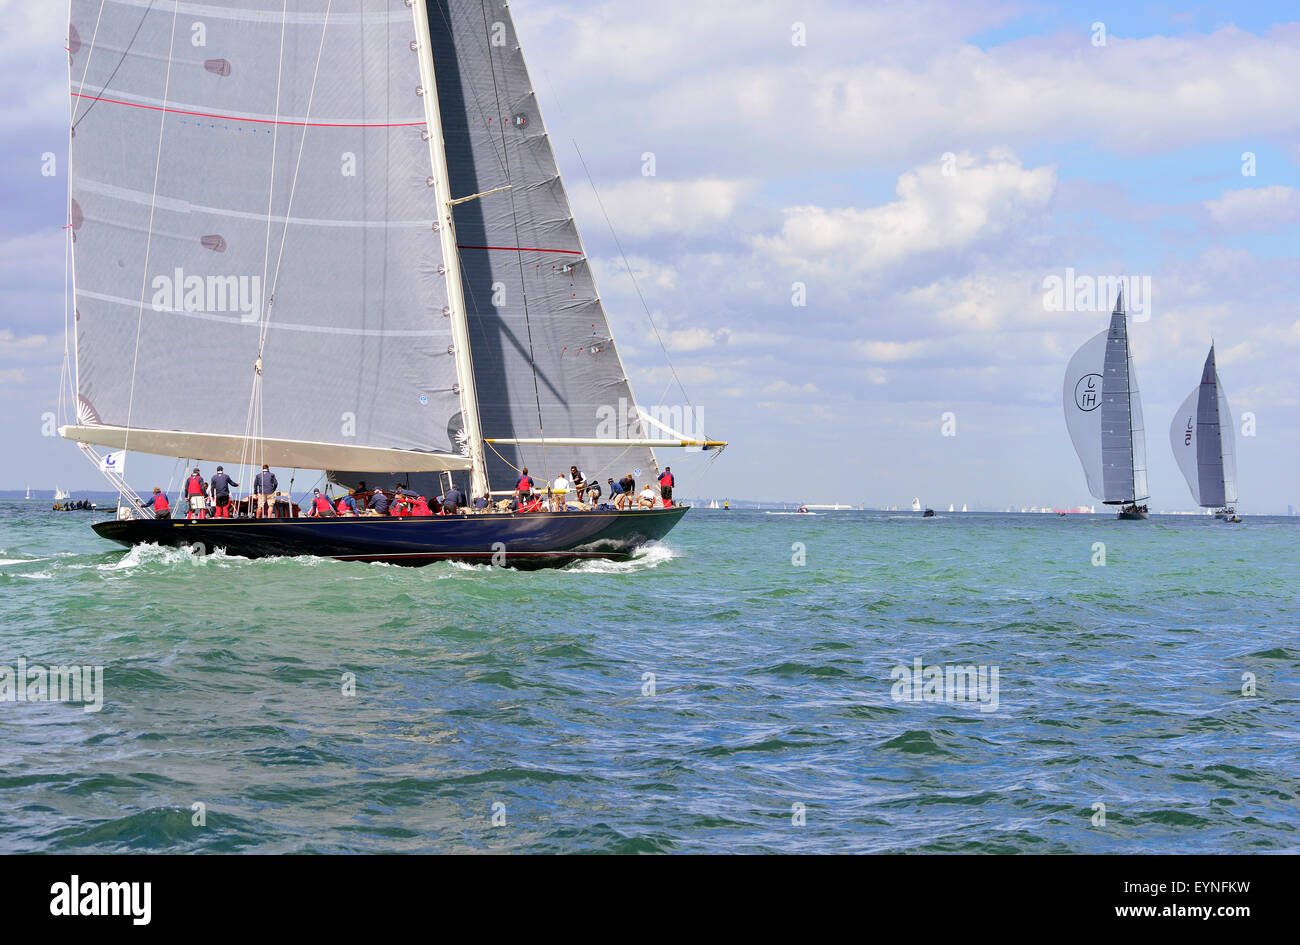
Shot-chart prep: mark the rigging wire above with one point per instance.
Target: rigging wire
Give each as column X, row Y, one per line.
column 631, row 275
column 126, row 52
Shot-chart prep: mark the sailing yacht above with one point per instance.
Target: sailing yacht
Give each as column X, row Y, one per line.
column 29, row 493
column 336, row 238
column 916, row 504
column 1103, row 413
column 1203, row 443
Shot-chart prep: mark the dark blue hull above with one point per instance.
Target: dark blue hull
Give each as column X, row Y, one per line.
column 534, row 540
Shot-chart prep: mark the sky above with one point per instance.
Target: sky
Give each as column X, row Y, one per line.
column 914, row 173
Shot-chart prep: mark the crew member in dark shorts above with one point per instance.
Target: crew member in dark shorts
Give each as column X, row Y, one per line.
column 220, row 489
column 158, row 502
column 524, row 486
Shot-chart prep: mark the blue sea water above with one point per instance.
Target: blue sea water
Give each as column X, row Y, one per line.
column 730, row 691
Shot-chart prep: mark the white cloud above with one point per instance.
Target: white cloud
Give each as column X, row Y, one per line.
column 933, row 212
column 1256, row 209
column 647, row 206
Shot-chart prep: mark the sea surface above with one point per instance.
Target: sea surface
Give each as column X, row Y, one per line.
column 733, row 690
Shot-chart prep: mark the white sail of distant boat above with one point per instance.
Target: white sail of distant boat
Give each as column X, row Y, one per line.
column 916, row 504
column 1202, row 438
column 1103, row 412
column 963, row 506
column 429, row 310
column 29, row 493
column 60, row 495
column 950, row 508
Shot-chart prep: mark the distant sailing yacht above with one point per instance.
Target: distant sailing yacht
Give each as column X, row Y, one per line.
column 1204, row 446
column 29, row 493
column 1103, row 413
column 423, row 312
column 916, row 504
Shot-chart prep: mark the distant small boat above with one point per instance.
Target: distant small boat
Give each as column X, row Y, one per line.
column 29, row 493
column 928, row 513
column 963, row 506
column 60, row 495
column 950, row 508
column 916, row 504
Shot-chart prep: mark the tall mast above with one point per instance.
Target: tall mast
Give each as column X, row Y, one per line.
column 450, row 254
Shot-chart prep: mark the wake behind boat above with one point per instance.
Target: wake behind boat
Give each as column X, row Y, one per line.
column 425, row 311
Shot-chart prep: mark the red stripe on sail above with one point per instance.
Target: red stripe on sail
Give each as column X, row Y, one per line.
column 526, row 249
column 262, row 121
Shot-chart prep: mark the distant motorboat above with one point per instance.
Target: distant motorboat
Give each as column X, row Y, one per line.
column 928, row 513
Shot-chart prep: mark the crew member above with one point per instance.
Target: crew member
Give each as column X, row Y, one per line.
column 320, row 506
column 646, row 500
column 559, row 490
column 378, row 503
column 220, row 490
column 346, row 505
column 666, row 483
column 452, row 499
column 264, row 486
column 196, row 493
column 616, row 493
column 629, row 490
column 481, row 503
column 158, row 502
column 524, row 486
column 420, row 506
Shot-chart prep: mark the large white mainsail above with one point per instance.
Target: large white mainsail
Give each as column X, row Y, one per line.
column 251, row 204
column 1202, row 439
column 1103, row 413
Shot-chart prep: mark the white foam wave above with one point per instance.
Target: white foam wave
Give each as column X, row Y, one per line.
column 646, row 558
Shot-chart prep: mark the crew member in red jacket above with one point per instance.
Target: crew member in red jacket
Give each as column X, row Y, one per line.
column 196, row 494
column 666, row 483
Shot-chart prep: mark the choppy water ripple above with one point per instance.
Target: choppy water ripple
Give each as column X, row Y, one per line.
column 481, row 692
